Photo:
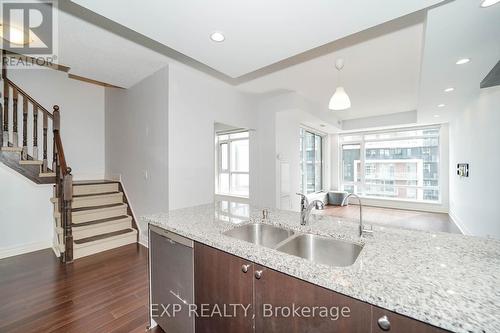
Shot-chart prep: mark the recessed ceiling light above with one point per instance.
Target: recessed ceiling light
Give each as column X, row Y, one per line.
column 487, row 3
column 441, row 105
column 462, row 61
column 450, row 89
column 217, row 36
column 436, row 116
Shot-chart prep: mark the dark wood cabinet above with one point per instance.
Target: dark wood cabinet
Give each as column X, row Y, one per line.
column 399, row 323
column 220, row 281
column 277, row 294
column 273, row 296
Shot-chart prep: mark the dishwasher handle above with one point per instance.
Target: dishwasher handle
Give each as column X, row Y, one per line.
column 172, row 237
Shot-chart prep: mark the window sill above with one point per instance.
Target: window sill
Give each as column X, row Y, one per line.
column 232, row 196
column 435, row 203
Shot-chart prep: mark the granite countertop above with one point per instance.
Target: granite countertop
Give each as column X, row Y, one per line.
column 447, row 280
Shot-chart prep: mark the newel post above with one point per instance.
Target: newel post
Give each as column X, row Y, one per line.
column 67, row 194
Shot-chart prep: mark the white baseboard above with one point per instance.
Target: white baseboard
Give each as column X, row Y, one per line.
column 6, row 252
column 459, row 223
column 143, row 240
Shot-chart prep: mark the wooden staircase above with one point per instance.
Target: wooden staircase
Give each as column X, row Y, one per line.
column 101, row 218
column 90, row 216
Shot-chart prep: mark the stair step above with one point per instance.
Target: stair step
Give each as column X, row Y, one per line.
column 102, row 226
column 90, row 223
column 13, row 149
column 94, row 182
column 94, row 187
column 97, row 207
column 30, row 162
column 91, row 245
column 90, row 200
column 88, row 214
column 46, row 174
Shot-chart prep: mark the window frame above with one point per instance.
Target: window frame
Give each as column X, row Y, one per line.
column 228, row 171
column 323, row 138
column 362, row 142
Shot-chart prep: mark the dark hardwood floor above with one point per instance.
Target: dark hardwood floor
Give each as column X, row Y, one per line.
column 107, row 292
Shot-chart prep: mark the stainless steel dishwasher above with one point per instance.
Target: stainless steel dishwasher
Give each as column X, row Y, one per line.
column 171, row 271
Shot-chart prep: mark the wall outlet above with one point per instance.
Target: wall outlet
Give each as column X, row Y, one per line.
column 146, row 175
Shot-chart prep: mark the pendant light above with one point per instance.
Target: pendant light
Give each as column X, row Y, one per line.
column 340, row 100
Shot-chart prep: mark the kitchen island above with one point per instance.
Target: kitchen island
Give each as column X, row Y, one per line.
column 448, row 281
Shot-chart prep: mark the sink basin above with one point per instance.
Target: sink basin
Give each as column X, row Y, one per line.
column 322, row 250
column 261, row 234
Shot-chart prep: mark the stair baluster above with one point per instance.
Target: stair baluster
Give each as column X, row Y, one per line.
column 24, row 154
column 15, row 137
column 45, row 128
column 35, row 132
column 6, row 114
column 5, row 119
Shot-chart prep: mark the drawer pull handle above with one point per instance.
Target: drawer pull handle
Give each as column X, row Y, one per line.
column 258, row 274
column 244, row 268
column 384, row 323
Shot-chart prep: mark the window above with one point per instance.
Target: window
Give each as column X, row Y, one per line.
column 399, row 164
column 311, row 161
column 233, row 164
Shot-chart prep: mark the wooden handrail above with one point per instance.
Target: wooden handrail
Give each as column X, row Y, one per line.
column 31, row 99
column 60, row 153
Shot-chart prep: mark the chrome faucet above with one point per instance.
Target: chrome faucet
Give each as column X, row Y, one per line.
column 306, row 207
column 362, row 229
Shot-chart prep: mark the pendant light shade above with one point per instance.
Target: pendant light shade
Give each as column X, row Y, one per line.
column 340, row 100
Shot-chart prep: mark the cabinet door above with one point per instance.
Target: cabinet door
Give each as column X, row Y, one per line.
column 278, row 291
column 220, row 281
column 399, row 324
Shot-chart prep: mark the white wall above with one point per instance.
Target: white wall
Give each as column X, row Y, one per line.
column 475, row 139
column 279, row 119
column 82, row 116
column 137, row 141
column 26, row 220
column 196, row 102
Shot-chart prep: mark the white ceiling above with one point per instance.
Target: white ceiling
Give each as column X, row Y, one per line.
column 397, row 68
column 258, row 33
column 458, row 29
column 98, row 54
column 381, row 75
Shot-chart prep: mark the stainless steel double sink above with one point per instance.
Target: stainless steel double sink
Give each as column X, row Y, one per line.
column 318, row 249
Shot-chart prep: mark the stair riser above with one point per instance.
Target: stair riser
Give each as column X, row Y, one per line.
column 89, row 202
column 104, row 246
column 94, row 189
column 98, row 214
column 84, row 232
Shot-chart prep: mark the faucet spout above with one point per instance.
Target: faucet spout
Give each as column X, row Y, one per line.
column 362, row 229
column 305, row 213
